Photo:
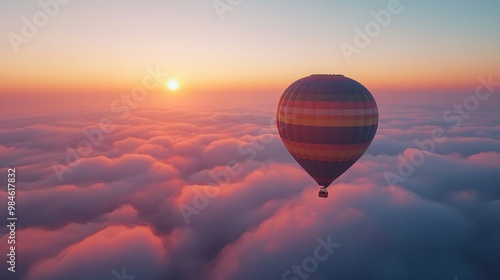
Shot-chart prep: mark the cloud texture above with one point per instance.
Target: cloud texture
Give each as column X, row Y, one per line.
column 207, row 193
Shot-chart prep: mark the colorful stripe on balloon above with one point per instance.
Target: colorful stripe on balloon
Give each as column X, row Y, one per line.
column 327, row 122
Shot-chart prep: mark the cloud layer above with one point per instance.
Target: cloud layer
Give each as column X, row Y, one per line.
column 207, row 193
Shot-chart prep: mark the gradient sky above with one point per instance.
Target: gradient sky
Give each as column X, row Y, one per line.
column 96, row 47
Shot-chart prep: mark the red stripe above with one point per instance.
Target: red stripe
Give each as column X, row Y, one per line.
column 326, row 134
column 327, row 146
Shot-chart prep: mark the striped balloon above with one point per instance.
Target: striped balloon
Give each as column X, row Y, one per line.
column 327, row 122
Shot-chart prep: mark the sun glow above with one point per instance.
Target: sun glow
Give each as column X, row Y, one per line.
column 173, row 85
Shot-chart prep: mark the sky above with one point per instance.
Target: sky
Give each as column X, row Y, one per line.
column 120, row 177
column 99, row 49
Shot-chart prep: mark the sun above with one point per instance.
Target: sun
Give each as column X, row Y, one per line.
column 173, row 85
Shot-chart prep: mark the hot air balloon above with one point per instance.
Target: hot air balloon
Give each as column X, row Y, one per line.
column 326, row 123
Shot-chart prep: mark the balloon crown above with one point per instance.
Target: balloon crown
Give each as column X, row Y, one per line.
column 327, row 75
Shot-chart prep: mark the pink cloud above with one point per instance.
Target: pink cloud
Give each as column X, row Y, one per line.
column 120, row 205
column 491, row 159
column 97, row 255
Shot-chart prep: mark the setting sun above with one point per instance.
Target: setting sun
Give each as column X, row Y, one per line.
column 173, row 85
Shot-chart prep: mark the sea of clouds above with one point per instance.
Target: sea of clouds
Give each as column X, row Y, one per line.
column 211, row 193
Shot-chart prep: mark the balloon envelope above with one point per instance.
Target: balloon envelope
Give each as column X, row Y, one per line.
column 326, row 122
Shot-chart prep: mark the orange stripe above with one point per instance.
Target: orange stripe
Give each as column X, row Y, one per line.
column 325, row 152
column 327, row 117
column 314, row 121
column 328, row 112
column 329, row 104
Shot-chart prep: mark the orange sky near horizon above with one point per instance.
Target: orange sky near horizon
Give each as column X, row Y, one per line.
column 256, row 51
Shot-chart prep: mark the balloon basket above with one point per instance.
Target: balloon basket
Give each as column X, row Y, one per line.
column 323, row 193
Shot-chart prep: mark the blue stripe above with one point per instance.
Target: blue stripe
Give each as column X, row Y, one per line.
column 327, row 135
